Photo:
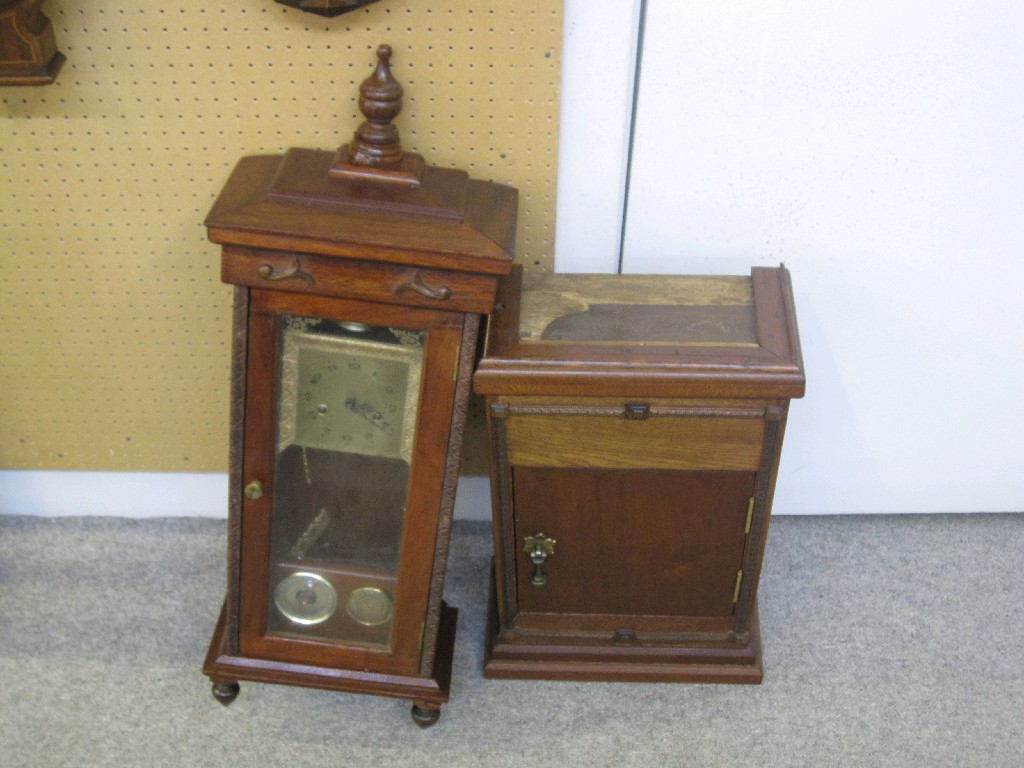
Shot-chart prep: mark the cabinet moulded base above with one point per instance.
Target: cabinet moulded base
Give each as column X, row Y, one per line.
column 561, row 657
column 427, row 693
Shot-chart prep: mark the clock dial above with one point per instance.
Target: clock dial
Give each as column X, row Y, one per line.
column 332, row 602
column 350, row 387
column 370, row 606
column 306, row 598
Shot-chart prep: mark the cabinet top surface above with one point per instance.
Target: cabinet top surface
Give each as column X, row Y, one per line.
column 288, row 202
column 670, row 335
column 644, row 309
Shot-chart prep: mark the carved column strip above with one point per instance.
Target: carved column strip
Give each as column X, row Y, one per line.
column 467, row 359
column 239, row 363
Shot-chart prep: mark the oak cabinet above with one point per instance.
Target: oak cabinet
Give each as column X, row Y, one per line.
column 636, row 428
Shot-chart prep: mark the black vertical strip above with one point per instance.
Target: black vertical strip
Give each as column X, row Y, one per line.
column 638, row 65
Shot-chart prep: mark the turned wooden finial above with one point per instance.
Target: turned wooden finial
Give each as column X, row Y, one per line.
column 376, row 152
column 380, row 101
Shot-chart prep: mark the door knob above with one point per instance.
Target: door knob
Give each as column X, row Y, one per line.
column 539, row 548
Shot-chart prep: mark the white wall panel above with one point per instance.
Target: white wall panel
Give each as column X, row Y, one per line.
column 598, row 56
column 876, row 149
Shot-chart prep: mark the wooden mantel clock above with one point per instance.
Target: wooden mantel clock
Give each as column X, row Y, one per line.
column 361, row 277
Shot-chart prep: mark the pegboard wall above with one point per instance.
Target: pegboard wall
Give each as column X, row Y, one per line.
column 115, row 348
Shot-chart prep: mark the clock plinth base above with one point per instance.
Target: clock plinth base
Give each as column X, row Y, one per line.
column 554, row 657
column 427, row 693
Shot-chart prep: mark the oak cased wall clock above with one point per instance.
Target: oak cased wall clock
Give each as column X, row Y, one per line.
column 361, row 277
column 28, row 45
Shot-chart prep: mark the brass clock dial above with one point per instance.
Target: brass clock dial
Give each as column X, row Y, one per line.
column 306, row 598
column 370, row 606
column 349, row 387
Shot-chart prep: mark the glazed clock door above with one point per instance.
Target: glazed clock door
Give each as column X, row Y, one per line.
column 343, row 429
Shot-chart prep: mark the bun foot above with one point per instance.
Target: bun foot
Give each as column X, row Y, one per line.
column 225, row 693
column 425, row 715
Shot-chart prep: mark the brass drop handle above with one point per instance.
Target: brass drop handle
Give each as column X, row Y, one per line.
column 441, row 293
column 539, row 548
column 254, row 490
column 269, row 272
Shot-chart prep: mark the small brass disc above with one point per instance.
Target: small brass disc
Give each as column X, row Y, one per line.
column 306, row 598
column 370, row 606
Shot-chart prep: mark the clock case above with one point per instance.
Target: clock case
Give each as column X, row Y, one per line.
column 309, row 234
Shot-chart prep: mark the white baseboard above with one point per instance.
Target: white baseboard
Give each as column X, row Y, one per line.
column 158, row 494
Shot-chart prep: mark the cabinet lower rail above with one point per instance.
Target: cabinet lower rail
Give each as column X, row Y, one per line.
column 555, row 657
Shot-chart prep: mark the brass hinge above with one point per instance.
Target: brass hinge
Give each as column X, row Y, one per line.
column 736, row 590
column 750, row 515
column 458, row 355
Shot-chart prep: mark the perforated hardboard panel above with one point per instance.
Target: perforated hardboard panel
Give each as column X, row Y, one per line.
column 116, row 327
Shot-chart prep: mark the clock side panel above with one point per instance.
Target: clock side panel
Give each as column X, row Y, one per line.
column 465, row 357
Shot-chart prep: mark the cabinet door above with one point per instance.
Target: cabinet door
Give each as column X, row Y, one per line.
column 632, row 542
column 348, row 414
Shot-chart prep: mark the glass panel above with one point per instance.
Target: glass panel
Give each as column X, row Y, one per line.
column 345, row 429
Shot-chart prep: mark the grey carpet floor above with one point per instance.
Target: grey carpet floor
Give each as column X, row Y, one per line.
column 888, row 641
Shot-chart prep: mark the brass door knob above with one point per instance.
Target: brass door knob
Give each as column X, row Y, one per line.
column 539, row 548
column 254, row 490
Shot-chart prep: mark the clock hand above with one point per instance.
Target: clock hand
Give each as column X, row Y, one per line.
column 368, row 413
